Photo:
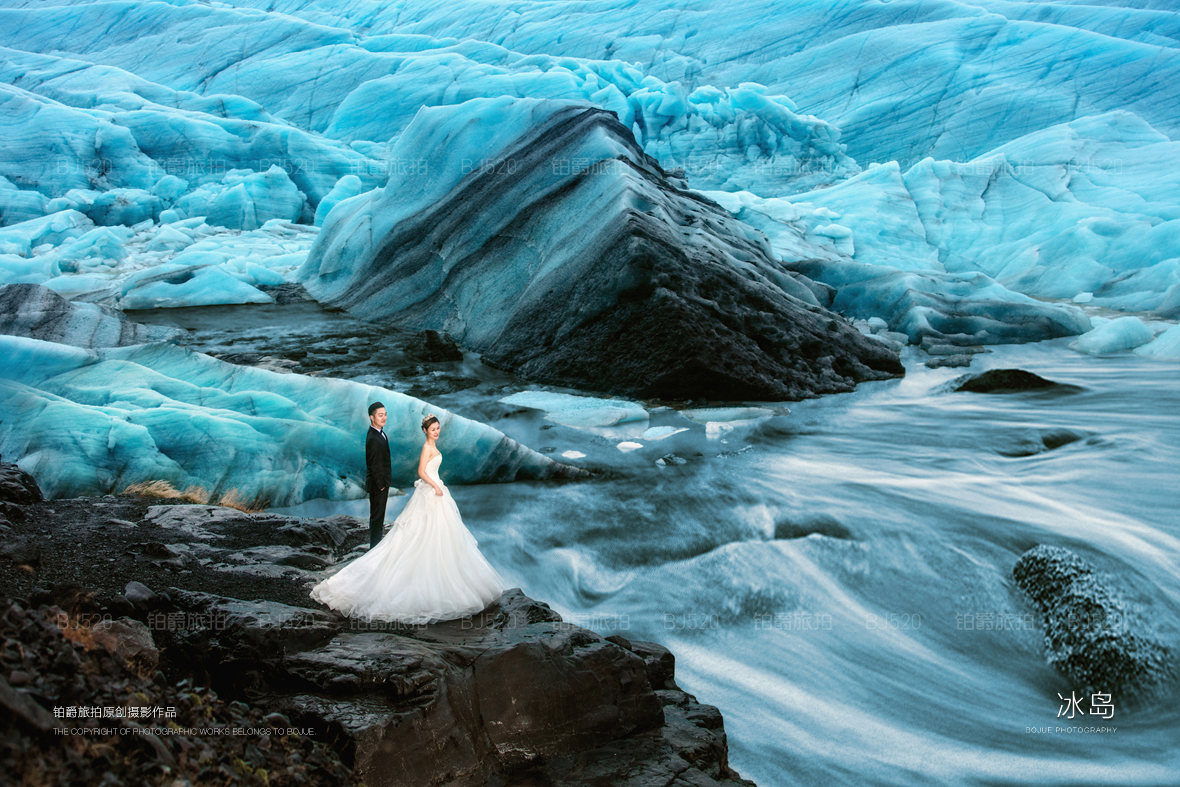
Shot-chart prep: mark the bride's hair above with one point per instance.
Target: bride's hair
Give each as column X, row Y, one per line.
column 427, row 421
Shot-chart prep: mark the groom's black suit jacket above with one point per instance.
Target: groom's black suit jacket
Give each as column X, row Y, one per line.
column 378, row 468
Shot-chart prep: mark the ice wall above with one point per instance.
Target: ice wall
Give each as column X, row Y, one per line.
column 87, row 422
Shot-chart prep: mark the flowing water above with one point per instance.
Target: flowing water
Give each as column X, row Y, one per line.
column 837, row 580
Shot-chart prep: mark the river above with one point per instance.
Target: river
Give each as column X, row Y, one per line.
column 837, row 578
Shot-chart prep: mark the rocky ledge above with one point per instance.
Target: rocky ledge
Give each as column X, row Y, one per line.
column 512, row 696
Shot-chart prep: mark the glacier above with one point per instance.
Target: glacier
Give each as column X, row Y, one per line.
column 91, row 421
column 288, row 136
column 901, row 80
column 609, row 275
column 551, row 182
column 742, row 135
column 1083, row 212
column 181, row 263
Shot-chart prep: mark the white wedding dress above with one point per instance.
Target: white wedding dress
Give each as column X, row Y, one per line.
column 428, row 567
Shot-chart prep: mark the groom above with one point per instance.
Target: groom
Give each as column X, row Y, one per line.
column 378, row 471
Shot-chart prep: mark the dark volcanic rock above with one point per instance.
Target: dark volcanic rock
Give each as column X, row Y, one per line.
column 571, row 258
column 511, row 696
column 55, row 664
column 1007, row 381
column 1091, row 633
column 434, row 347
column 40, row 313
column 287, row 292
column 1037, row 441
column 17, row 486
column 507, row 696
column 130, row 641
column 139, row 594
column 952, row 361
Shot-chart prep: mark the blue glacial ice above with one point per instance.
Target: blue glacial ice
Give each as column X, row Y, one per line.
column 1029, row 143
column 1111, row 336
column 87, row 422
column 1083, row 211
column 572, row 410
column 901, row 80
column 365, row 90
column 1165, row 347
column 182, row 263
column 245, row 199
column 1087, row 206
column 75, row 130
column 165, row 118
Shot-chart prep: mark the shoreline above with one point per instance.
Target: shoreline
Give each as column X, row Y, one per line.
column 154, row 595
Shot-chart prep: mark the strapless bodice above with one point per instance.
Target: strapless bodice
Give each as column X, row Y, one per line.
column 432, row 465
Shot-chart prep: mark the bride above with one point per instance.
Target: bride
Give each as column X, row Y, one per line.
column 427, row 568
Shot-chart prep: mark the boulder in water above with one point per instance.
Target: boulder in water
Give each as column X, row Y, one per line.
column 1092, row 635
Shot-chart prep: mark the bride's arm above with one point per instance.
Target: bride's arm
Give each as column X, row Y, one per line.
column 422, row 460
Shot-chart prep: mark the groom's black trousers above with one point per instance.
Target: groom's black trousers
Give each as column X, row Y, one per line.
column 377, row 500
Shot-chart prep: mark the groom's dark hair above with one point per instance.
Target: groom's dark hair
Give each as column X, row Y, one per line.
column 374, row 407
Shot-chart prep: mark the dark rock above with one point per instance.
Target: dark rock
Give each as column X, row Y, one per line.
column 17, row 487
column 157, row 550
column 822, row 524
column 658, row 292
column 286, row 293
column 229, row 629
column 229, row 527
column 487, row 699
column 152, row 749
column 451, row 703
column 277, row 720
column 139, row 594
column 1007, row 381
column 305, row 562
column 1056, row 438
column 130, row 641
column 1092, row 634
column 508, row 696
column 10, row 512
column 948, row 350
column 1038, row 441
column 20, row 707
column 22, row 552
column 434, row 347
column 952, row 361
column 689, row 749
column 660, row 663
